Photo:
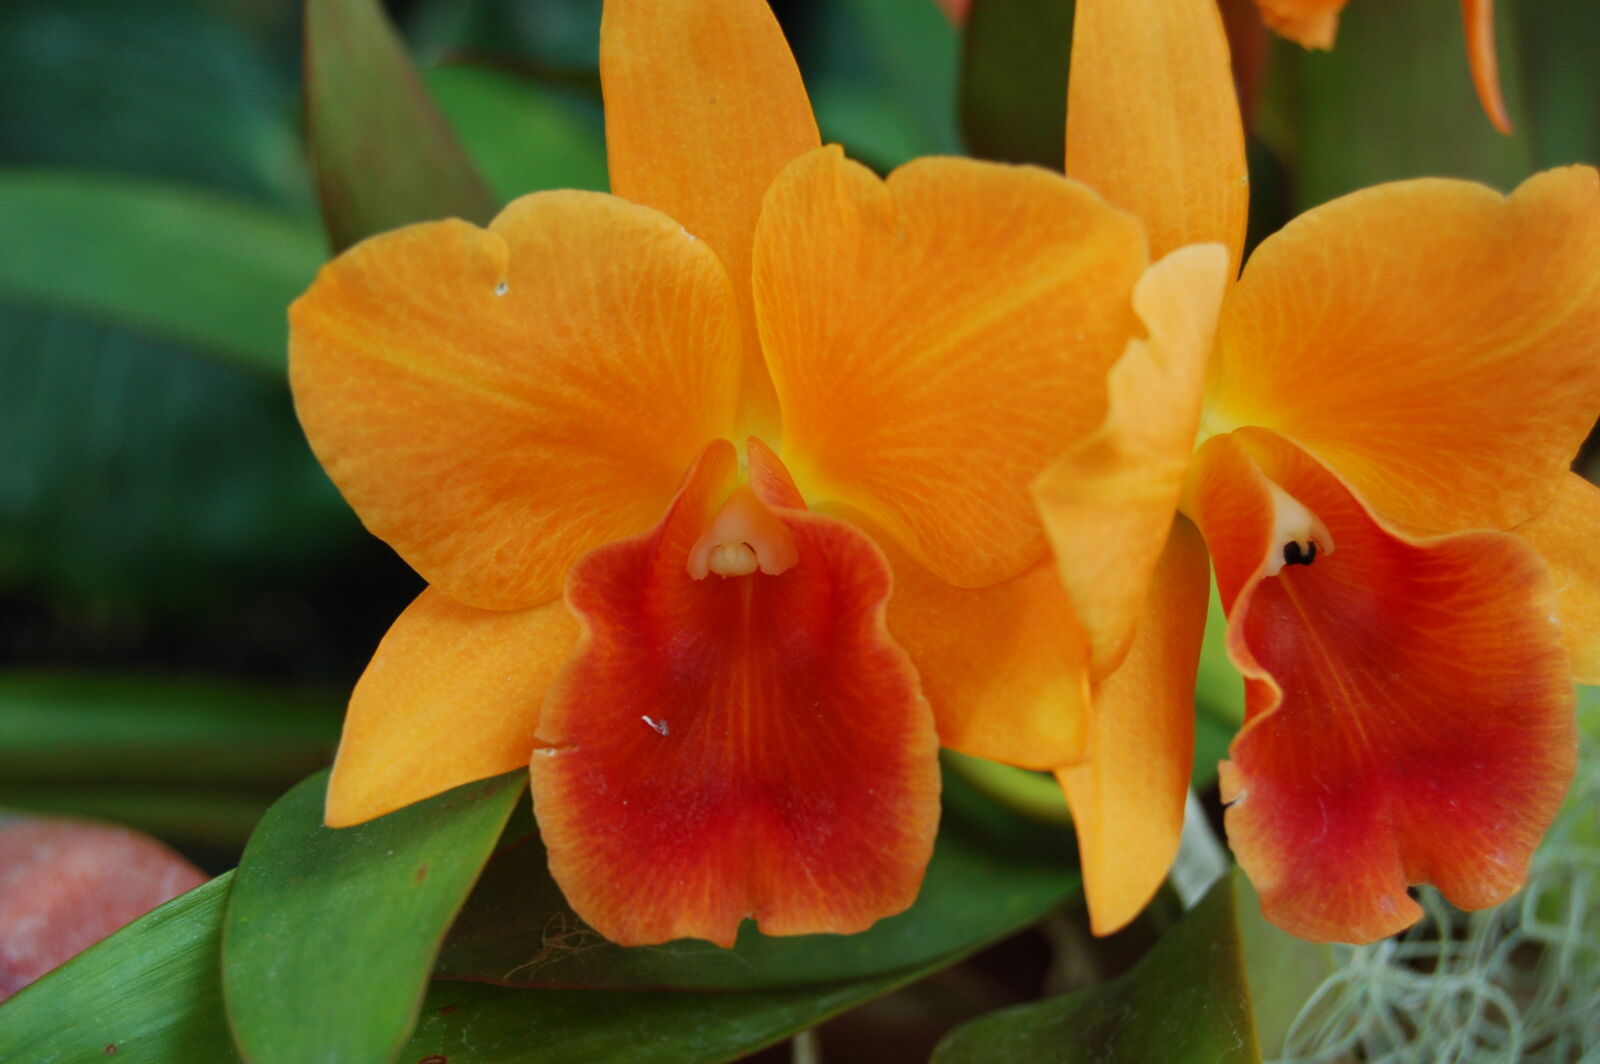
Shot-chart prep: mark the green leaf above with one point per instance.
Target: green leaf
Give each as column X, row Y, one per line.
column 1284, row 971
column 1560, row 52
column 383, row 153
column 159, row 88
column 139, row 730
column 331, row 934
column 153, row 991
column 1187, row 1000
column 148, row 993
column 882, row 77
column 1014, row 80
column 170, row 261
column 517, row 929
column 132, row 471
column 559, row 38
column 522, row 134
column 1393, row 100
column 469, row 1024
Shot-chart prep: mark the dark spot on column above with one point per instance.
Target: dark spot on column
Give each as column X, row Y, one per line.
column 422, row 873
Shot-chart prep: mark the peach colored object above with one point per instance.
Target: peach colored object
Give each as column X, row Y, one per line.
column 65, row 884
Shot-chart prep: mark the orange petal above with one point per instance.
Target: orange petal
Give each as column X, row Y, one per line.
column 727, row 748
column 1127, row 798
column 1153, row 120
column 1409, row 709
column 1564, row 535
column 1002, row 666
column 451, row 696
column 704, row 107
column 1431, row 340
column 1308, row 23
column 936, row 339
column 1478, row 17
column 494, row 403
column 1107, row 503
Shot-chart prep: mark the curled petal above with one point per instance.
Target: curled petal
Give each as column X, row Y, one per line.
column 1107, row 503
column 1409, row 713
column 1478, row 16
column 1431, row 340
column 451, row 696
column 704, row 107
column 1127, row 797
column 1153, row 120
column 1564, row 535
column 729, row 748
column 936, row 339
column 494, row 403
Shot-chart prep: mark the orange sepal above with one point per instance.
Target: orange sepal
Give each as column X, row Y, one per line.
column 1308, row 23
column 495, row 402
column 1127, row 798
column 718, row 749
column 1153, row 120
column 1431, row 340
column 1409, row 712
column 936, row 339
column 1478, row 17
column 704, row 107
column 1564, row 535
column 1107, row 503
column 451, row 696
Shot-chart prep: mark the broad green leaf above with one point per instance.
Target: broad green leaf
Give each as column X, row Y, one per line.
column 1559, row 45
column 1188, row 1000
column 109, row 730
column 383, row 153
column 1284, row 971
column 1014, row 80
column 159, row 88
column 330, row 934
column 522, row 134
column 132, row 471
column 153, row 991
column 882, row 77
column 169, row 261
column 518, row 930
column 1393, row 100
column 467, row 1024
column 148, row 994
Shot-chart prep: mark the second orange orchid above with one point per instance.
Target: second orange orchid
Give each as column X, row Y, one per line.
column 1375, row 457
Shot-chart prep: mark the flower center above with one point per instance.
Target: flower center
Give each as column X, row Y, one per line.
column 744, row 536
column 1298, row 535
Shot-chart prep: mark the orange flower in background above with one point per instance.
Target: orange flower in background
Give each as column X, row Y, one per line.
column 1315, row 23
column 1376, row 459
column 718, row 408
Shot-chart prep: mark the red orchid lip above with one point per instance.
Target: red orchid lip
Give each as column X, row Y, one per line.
column 740, row 746
column 1409, row 706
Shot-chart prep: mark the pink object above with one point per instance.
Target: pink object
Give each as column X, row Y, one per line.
column 955, row 9
column 65, row 884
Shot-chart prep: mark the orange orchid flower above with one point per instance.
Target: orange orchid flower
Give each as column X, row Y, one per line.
column 1314, row 23
column 1399, row 383
column 727, row 716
